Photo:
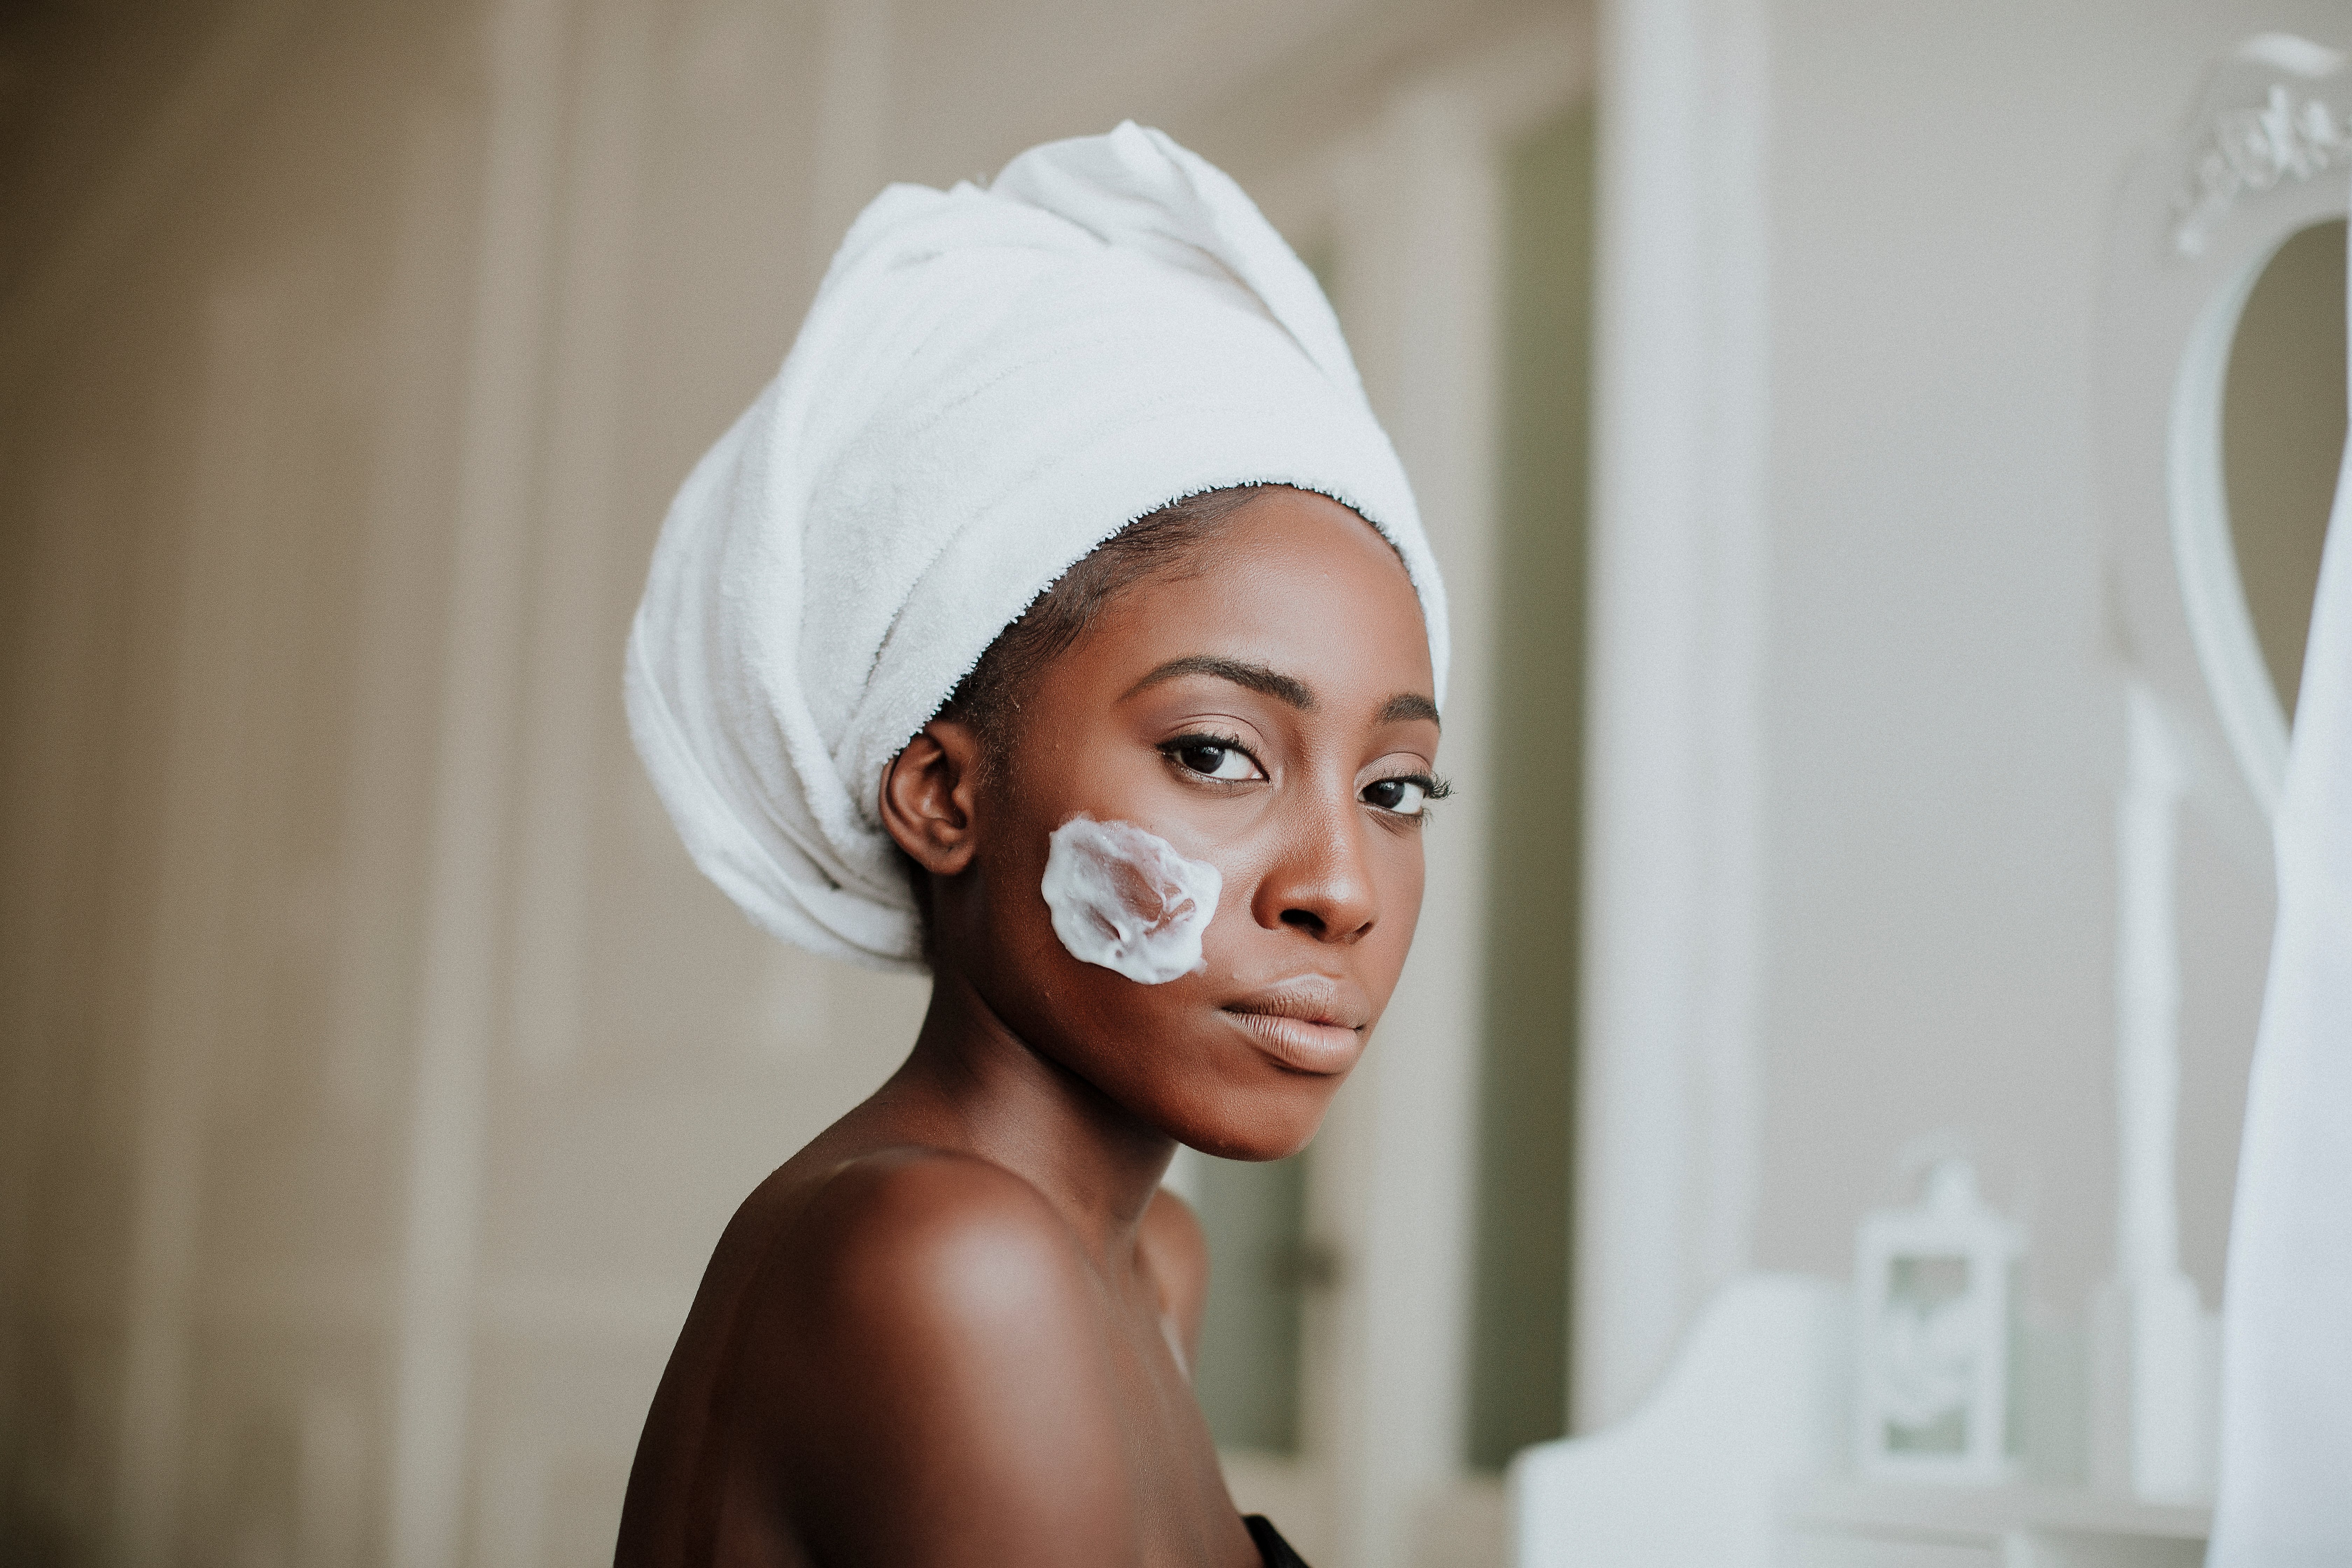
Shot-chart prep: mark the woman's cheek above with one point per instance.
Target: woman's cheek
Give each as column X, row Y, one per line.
column 1125, row 900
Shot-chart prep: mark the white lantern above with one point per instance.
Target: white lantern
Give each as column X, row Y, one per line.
column 1935, row 1294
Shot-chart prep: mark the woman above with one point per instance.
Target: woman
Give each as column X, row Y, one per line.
column 1145, row 797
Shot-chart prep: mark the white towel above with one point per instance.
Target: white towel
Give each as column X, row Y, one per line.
column 2285, row 1494
column 989, row 383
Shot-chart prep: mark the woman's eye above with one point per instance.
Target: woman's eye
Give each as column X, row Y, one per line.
column 1402, row 797
column 1215, row 760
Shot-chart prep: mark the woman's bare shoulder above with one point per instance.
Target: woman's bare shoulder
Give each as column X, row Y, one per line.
column 909, row 1230
column 926, row 1368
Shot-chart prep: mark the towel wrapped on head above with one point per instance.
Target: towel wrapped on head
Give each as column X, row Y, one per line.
column 990, row 383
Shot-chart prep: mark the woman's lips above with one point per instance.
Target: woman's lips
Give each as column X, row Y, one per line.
column 1307, row 1026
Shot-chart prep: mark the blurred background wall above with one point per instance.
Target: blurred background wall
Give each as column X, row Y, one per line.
column 1943, row 730
column 377, row 1071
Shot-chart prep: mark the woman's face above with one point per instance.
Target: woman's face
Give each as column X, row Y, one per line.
column 1268, row 708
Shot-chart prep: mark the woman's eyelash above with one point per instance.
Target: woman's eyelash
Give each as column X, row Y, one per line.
column 1427, row 787
column 1430, row 788
column 1174, row 750
column 1204, row 738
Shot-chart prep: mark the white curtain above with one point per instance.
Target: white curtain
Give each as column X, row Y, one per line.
column 2285, row 1497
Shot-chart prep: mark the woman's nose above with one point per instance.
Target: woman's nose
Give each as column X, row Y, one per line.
column 1322, row 884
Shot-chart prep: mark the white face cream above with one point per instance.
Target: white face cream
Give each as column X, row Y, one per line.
column 1125, row 899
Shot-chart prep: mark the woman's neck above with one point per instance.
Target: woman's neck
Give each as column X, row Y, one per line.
column 972, row 1083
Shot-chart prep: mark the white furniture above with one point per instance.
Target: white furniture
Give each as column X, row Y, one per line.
column 1835, row 1523
column 1738, row 1461
column 1693, row 1478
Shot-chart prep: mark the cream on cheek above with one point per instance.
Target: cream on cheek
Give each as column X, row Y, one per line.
column 1124, row 898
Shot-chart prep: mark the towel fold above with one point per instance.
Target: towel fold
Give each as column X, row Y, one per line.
column 989, row 383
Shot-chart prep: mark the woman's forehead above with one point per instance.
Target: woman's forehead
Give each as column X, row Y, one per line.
column 1303, row 599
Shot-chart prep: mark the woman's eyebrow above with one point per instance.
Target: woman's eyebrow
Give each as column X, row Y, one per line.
column 1254, row 677
column 1408, row 705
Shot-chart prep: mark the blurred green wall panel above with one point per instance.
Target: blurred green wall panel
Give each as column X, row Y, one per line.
column 1518, row 1358
column 1248, row 1379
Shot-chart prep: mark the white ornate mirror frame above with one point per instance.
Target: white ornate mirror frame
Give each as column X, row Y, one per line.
column 2266, row 154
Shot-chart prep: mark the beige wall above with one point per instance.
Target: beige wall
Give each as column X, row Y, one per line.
column 378, row 1072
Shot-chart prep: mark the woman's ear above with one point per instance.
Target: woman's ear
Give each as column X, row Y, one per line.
column 927, row 793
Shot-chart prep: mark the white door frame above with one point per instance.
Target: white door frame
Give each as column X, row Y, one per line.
column 1668, row 1096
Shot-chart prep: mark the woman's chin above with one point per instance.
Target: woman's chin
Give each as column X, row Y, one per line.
column 1253, row 1126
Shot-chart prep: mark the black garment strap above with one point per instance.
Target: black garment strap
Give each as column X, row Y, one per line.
column 1270, row 1543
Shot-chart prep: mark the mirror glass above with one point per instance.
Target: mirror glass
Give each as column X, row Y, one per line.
column 2283, row 427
